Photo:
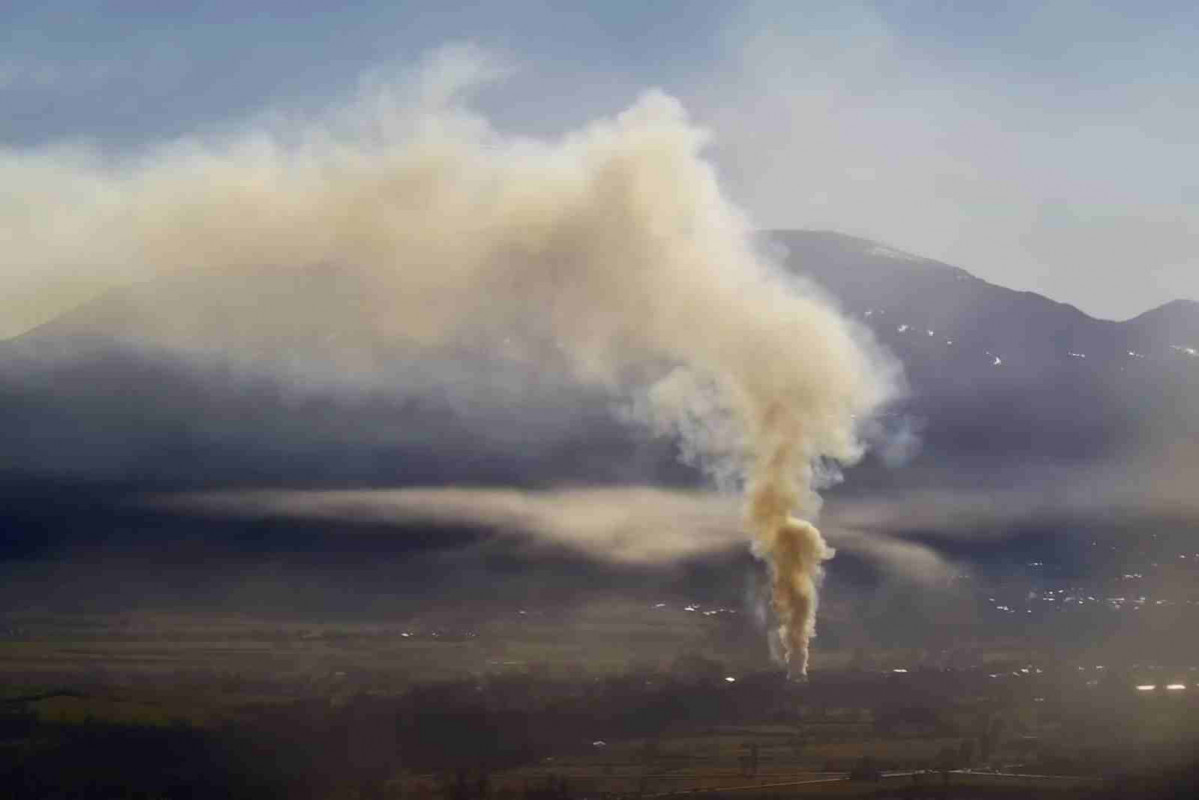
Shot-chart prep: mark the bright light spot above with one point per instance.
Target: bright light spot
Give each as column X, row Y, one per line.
column 1175, row 687
column 997, row 361
column 659, row 605
column 899, row 670
column 690, row 608
column 730, row 679
column 1146, row 687
column 902, row 328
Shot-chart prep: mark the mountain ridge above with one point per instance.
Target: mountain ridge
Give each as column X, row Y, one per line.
column 876, row 264
column 879, row 248
column 996, row 376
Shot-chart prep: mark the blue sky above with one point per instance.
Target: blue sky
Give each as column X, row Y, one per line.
column 1044, row 146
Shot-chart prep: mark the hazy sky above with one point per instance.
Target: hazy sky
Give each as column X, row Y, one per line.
column 1043, row 146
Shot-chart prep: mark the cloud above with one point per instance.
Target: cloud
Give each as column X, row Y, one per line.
column 911, row 561
column 942, row 132
column 624, row 525
column 856, row 121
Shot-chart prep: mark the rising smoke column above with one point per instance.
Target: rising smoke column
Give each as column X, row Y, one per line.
column 609, row 252
column 793, row 547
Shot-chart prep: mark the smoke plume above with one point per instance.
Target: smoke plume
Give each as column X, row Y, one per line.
column 609, row 252
column 639, row 526
column 635, row 526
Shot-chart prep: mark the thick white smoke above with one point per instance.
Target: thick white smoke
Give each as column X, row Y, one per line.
column 609, row 251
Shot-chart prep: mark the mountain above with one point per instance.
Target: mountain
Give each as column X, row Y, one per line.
column 997, row 378
column 1008, row 375
column 1173, row 326
column 1005, row 389
column 873, row 279
column 279, row 378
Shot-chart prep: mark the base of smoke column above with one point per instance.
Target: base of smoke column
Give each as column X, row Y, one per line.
column 797, row 677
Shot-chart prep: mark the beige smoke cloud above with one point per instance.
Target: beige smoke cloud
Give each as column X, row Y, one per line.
column 635, row 526
column 626, row 525
column 610, row 251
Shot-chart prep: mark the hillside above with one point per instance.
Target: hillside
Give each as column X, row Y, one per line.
column 997, row 378
column 997, row 372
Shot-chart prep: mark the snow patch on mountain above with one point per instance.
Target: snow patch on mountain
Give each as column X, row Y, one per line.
column 888, row 252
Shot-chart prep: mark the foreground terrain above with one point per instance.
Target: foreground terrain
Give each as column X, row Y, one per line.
column 181, row 706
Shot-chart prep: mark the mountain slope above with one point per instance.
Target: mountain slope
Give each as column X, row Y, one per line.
column 999, row 373
column 998, row 378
